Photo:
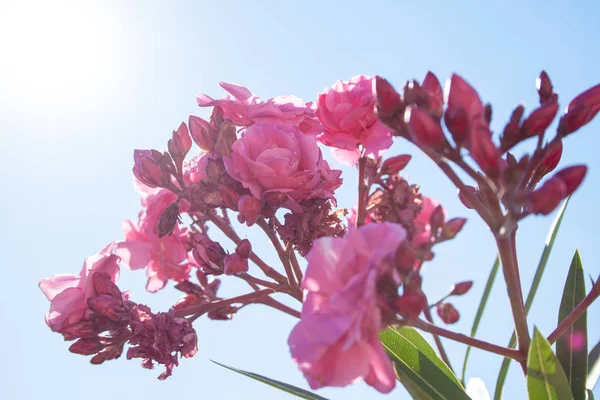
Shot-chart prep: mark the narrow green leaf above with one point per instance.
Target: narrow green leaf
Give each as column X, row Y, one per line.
column 571, row 348
column 590, row 394
column 303, row 394
column 419, row 368
column 546, row 379
column 484, row 298
column 593, row 367
column 532, row 292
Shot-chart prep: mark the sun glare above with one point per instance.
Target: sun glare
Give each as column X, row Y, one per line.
column 58, row 56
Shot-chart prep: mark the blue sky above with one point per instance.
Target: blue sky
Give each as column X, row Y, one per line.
column 83, row 84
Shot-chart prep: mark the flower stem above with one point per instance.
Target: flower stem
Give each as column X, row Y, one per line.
column 570, row 319
column 459, row 337
column 438, row 341
column 292, row 256
column 268, row 301
column 362, row 192
column 207, row 307
column 510, row 269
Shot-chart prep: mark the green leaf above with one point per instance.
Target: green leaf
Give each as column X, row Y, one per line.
column 303, row 394
column 531, row 295
column 590, row 394
column 571, row 348
column 546, row 379
column 419, row 368
column 480, row 309
column 593, row 367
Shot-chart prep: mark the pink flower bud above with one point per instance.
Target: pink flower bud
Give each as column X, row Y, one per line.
column 229, row 196
column 459, row 94
column 484, row 151
column 180, row 143
column 544, row 88
column 103, row 284
column 510, row 135
column 453, row 227
column 576, row 117
column 168, row 220
column 393, row 165
column 590, row 97
column 551, row 158
column 244, row 249
column 436, row 220
column 463, row 199
column 410, row 304
column 539, row 120
column 389, row 102
column 424, row 130
column 109, row 307
column 202, row 132
column 457, row 122
column 249, row 209
column 146, row 169
column 234, row 264
column 227, row 135
column 88, row 347
column 545, row 199
column 448, row 313
column 432, row 86
column 461, row 288
column 82, row 329
column 572, row 177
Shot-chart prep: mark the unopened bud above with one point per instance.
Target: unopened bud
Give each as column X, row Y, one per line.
column 572, row 177
column 576, row 117
column 436, row 220
column 393, row 165
column 82, row 329
column 146, row 169
column 249, row 209
column 109, row 307
column 227, row 135
column 463, row 199
column 168, row 220
column 234, row 264
column 544, row 88
column 229, row 196
column 410, row 304
column 244, row 249
column 452, row 228
column 461, row 288
column 180, row 143
column 545, row 199
column 432, row 86
column 202, row 132
column 448, row 313
column 550, row 160
column 103, row 284
column 405, row 256
column 88, row 347
column 484, row 152
column 389, row 102
column 457, row 122
column 510, row 135
column 539, row 120
column 423, row 129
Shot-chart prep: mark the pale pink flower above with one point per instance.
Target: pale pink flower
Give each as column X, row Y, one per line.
column 337, row 340
column 272, row 158
column 347, row 112
column 246, row 109
column 68, row 294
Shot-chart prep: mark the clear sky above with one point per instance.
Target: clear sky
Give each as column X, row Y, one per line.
column 83, row 84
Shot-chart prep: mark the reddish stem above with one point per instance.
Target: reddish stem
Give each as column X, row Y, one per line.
column 297, row 270
column 362, row 192
column 268, row 301
column 437, row 339
column 249, row 278
column 207, row 307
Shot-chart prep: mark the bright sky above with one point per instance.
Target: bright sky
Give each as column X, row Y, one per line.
column 83, row 84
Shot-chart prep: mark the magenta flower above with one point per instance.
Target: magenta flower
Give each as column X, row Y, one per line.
column 272, row 158
column 337, row 340
column 347, row 112
column 246, row 109
column 68, row 294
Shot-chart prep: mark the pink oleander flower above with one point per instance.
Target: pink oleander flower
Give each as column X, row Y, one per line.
column 336, row 341
column 279, row 159
column 347, row 112
column 68, row 294
column 246, row 109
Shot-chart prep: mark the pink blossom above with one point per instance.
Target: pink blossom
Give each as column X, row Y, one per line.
column 246, row 109
column 68, row 294
column 272, row 158
column 336, row 342
column 347, row 112
column 423, row 221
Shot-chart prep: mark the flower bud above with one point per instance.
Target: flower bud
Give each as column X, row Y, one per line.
column 244, row 249
column 590, row 97
column 227, row 135
column 539, row 120
column 576, row 117
column 249, row 209
column 544, row 88
column 146, row 169
column 510, row 135
column 393, row 165
column 103, row 284
column 545, row 199
column 436, row 220
column 484, row 151
column 448, row 313
column 572, row 177
column 389, row 102
column 463, row 199
column 461, row 288
column 222, row 314
column 180, row 143
column 234, row 264
column 457, row 122
column 109, row 307
column 87, row 347
column 410, row 304
column 424, row 130
column 552, row 156
column 202, row 132
column 82, row 329
column 229, row 196
column 452, row 228
column 168, row 220
column 432, row 86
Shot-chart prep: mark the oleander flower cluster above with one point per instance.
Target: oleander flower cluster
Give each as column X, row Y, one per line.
column 352, row 272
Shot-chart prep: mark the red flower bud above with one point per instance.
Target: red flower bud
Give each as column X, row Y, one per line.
column 82, row 329
column 146, row 169
column 405, row 256
column 576, row 117
column 109, row 307
column 180, row 143
column 436, row 220
column 545, row 90
column 448, row 313
column 461, row 288
column 389, row 102
column 459, row 94
column 484, row 151
column 423, row 129
column 249, row 209
column 229, row 196
column 104, row 285
column 572, row 177
column 590, row 97
column 539, row 120
column 432, row 86
column 552, row 156
column 88, row 347
column 393, row 165
column 510, row 135
column 545, row 199
column 463, row 199
column 244, row 249
column 457, row 122
column 202, row 132
column 452, row 228
column 234, row 264
column 410, row 304
column 167, row 222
